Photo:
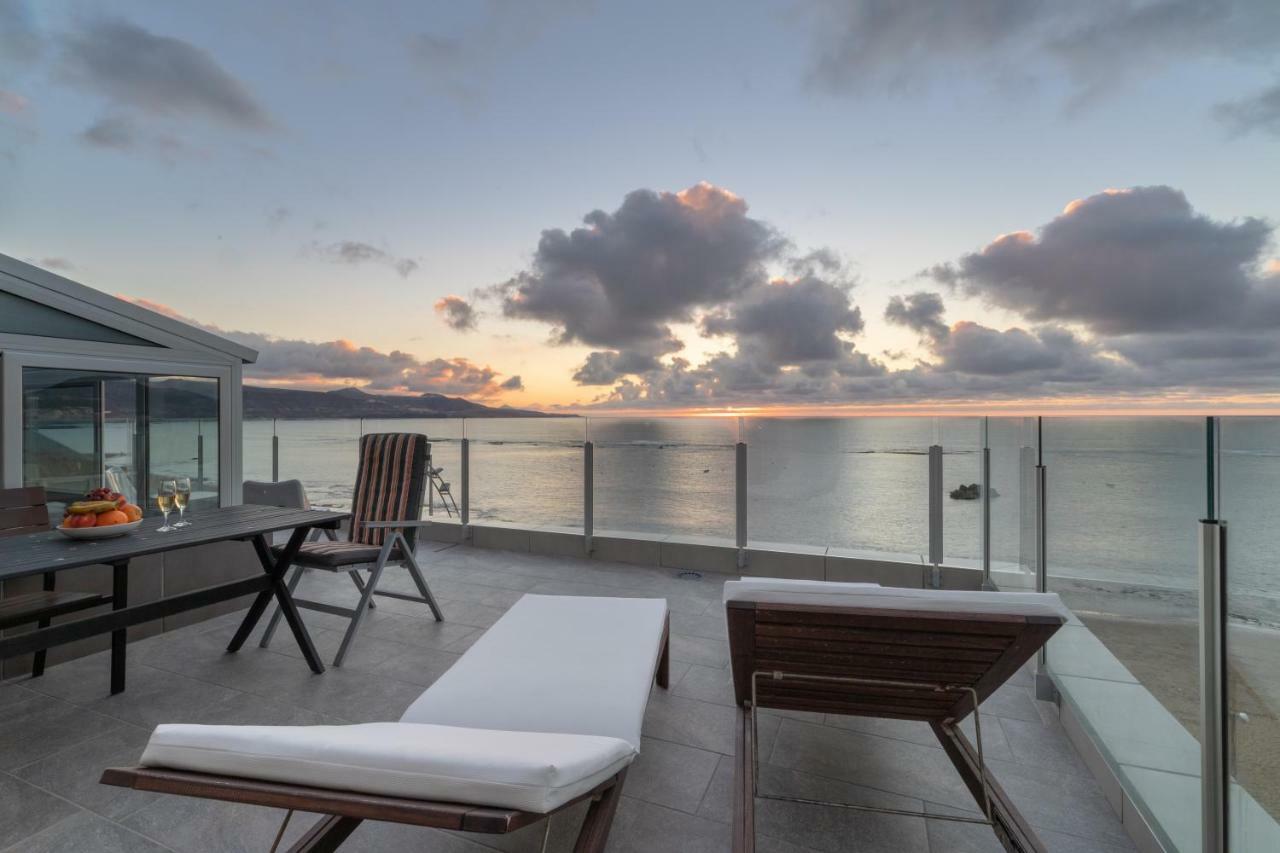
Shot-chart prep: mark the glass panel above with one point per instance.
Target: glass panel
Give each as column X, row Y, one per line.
column 323, row 455
column 527, row 471
column 665, row 475
column 87, row 429
column 1250, row 482
column 1013, row 478
column 256, row 436
column 184, row 436
column 961, row 440
column 855, row 484
column 1124, row 499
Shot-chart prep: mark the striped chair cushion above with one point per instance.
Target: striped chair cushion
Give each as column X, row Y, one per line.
column 389, row 483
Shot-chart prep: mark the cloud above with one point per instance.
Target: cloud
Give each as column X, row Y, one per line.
column 136, row 69
column 1127, row 261
column 461, row 65
column 790, row 322
column 1257, row 113
column 20, row 42
column 921, row 312
column 622, row 279
column 355, row 252
column 457, row 313
column 515, row 383
column 862, row 45
column 333, row 364
column 56, row 264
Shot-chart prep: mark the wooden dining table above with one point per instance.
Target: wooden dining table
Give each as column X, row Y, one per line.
column 50, row 551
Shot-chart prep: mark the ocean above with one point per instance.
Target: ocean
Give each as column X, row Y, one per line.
column 1124, row 494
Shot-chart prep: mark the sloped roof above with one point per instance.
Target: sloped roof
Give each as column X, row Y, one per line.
column 62, row 294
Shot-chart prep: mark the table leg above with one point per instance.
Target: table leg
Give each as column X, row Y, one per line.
column 120, row 637
column 276, row 569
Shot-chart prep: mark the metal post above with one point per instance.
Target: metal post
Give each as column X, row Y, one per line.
column 935, row 512
column 1214, row 733
column 986, row 506
column 740, row 503
column 430, row 483
column 275, row 458
column 1045, row 689
column 1213, row 686
column 588, row 494
column 465, row 511
column 200, row 461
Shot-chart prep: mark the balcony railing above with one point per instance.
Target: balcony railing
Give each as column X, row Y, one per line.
column 1174, row 666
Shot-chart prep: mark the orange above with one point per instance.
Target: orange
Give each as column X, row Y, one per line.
column 113, row 516
column 132, row 511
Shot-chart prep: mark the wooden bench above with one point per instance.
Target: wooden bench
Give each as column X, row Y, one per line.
column 22, row 512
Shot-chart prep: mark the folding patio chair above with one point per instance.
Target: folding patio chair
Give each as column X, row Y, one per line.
column 385, row 517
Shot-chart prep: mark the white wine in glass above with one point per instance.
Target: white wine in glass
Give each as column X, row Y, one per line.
column 166, row 496
column 181, row 498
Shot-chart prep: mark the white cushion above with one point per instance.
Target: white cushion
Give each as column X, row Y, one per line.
column 787, row 591
column 519, row 770
column 555, row 664
column 781, row 591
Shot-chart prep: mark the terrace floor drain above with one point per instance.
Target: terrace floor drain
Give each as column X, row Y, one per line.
column 689, row 576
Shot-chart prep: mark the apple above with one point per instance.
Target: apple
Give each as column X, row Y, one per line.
column 83, row 519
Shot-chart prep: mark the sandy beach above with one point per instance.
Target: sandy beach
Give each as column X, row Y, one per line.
column 1164, row 656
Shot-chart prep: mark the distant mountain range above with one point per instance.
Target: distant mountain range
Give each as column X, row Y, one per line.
column 263, row 402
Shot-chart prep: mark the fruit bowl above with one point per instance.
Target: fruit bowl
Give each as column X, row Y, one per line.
column 106, row 532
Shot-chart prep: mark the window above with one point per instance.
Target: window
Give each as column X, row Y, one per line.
column 85, row 429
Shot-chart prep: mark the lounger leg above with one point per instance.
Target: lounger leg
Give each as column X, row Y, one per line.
column 327, row 835
column 411, row 564
column 664, row 661
column 274, row 621
column 365, row 597
column 354, row 574
column 744, row 799
column 1010, row 827
column 595, row 828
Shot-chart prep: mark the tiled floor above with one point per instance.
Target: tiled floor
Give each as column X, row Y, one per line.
column 58, row 732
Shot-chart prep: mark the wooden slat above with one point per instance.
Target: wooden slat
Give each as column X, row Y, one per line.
column 883, row 649
column 904, row 637
column 28, row 607
column 27, row 519
column 942, row 667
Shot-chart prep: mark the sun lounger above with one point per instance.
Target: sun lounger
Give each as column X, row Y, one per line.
column 906, row 654
column 544, row 711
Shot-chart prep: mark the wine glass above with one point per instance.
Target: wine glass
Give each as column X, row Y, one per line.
column 181, row 497
column 165, row 497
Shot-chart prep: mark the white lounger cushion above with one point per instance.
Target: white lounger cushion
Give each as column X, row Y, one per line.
column 782, row 591
column 555, row 664
column 519, row 770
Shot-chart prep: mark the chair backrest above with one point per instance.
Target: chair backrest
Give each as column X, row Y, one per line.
column 389, row 484
column 286, row 493
column 23, row 511
column 882, row 656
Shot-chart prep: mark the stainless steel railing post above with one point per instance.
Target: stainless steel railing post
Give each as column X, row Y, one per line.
column 588, row 494
column 740, row 502
column 986, row 506
column 1215, row 734
column 465, row 471
column 935, row 512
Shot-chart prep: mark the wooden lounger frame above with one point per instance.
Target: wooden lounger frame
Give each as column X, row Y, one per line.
column 871, row 662
column 344, row 810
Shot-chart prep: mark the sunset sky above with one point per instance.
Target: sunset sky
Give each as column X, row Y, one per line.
column 797, row 204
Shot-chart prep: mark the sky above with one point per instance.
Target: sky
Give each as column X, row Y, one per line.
column 793, row 206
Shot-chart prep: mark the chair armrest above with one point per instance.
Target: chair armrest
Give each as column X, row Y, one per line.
column 388, row 525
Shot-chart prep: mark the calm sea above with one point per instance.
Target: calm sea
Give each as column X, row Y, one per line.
column 1124, row 494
